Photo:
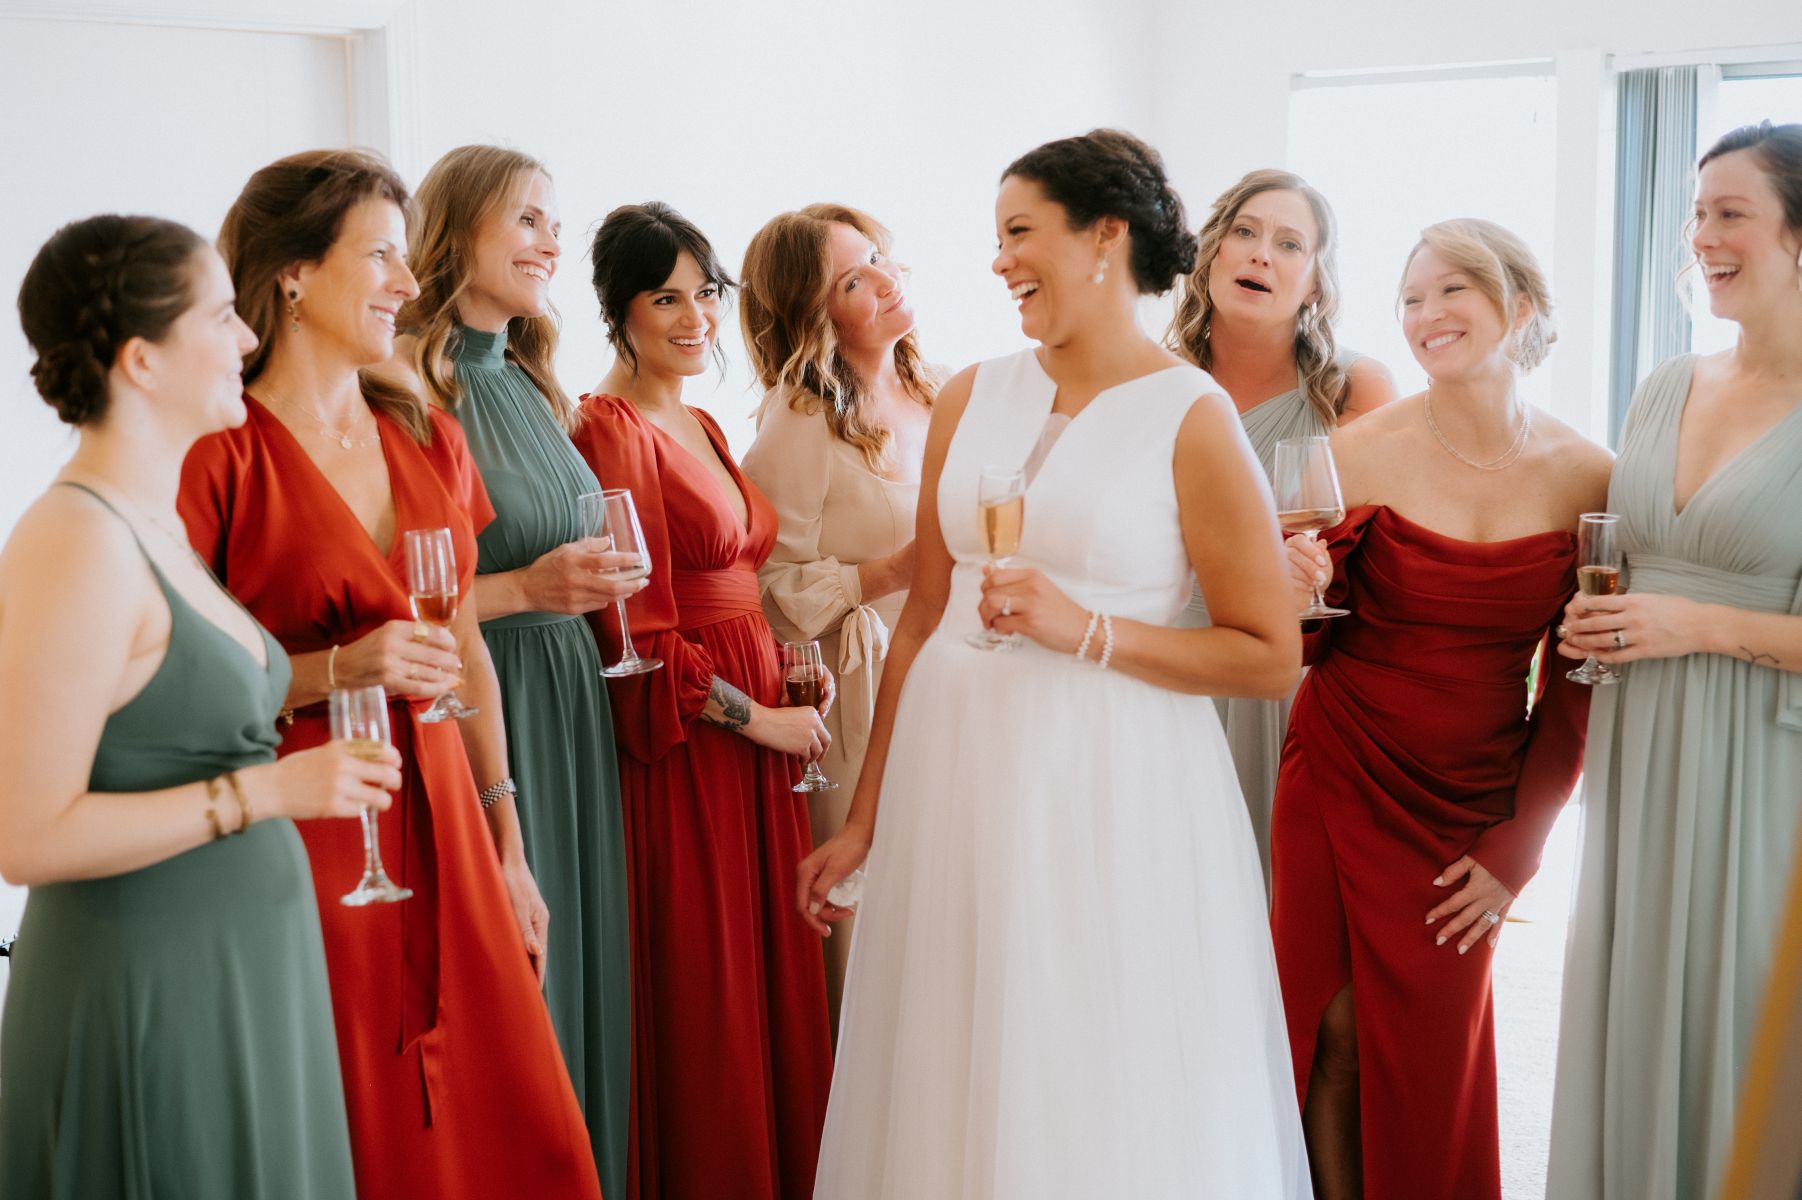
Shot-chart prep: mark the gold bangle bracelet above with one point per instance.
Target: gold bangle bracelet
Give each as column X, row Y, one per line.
column 331, row 669
column 231, row 777
column 212, row 808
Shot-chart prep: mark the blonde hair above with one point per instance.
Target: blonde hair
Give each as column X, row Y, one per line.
column 789, row 334
column 463, row 189
column 1502, row 268
column 1323, row 377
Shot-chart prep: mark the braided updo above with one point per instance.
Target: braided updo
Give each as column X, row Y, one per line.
column 94, row 286
column 1109, row 173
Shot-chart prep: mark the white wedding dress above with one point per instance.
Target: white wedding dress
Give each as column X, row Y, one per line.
column 1062, row 983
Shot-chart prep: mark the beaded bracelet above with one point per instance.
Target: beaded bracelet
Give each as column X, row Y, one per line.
column 491, row 795
column 1088, row 635
column 1107, row 641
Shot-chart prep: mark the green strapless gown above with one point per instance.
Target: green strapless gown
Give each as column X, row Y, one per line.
column 559, row 738
column 168, row 1032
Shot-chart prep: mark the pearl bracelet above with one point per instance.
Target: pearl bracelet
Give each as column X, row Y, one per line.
column 491, row 795
column 1107, row 641
column 1088, row 635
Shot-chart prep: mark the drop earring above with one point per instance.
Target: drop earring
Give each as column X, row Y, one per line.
column 294, row 312
column 1100, row 274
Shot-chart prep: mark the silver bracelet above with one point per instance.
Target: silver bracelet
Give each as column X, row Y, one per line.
column 1107, row 641
column 1088, row 635
column 491, row 795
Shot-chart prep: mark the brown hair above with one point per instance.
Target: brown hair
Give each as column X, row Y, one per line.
column 94, row 286
column 635, row 251
column 1777, row 149
column 291, row 211
column 1502, row 268
column 789, row 334
column 1323, row 377
column 465, row 188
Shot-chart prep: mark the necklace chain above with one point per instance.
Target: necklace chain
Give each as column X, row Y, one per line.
column 1495, row 464
column 342, row 437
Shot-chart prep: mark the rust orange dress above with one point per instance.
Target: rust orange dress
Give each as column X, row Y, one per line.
column 453, row 1080
column 1410, row 746
column 731, row 1057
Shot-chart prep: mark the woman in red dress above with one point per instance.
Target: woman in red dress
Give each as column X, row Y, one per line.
column 1415, row 790
column 732, row 1061
column 453, row 1080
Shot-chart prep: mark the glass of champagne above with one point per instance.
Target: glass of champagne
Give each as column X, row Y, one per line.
column 803, row 677
column 360, row 721
column 1598, row 574
column 1001, row 517
column 1306, row 484
column 611, row 514
column 432, row 587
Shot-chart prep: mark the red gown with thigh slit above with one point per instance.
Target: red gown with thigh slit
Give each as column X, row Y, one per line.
column 1410, row 746
column 453, row 1080
column 731, row 1054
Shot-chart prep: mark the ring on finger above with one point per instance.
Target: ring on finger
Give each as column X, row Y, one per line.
column 421, row 631
column 1562, row 632
column 1492, row 916
column 412, row 672
column 1007, row 606
column 1620, row 639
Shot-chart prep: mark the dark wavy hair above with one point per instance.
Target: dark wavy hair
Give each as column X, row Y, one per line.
column 633, row 252
column 1110, row 173
column 1777, row 149
column 94, row 286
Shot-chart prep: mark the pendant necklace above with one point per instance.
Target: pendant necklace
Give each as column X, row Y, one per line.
column 344, row 439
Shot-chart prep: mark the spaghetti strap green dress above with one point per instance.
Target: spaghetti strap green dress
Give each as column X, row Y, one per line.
column 1692, row 804
column 168, row 1031
column 559, row 737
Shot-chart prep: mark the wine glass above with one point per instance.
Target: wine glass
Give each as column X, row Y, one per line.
column 360, row 721
column 432, row 588
column 1598, row 574
column 1001, row 517
column 803, row 676
column 1307, row 500
column 611, row 514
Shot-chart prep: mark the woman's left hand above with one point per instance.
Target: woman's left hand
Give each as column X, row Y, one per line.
column 1470, row 905
column 1636, row 625
column 529, row 911
column 828, row 690
column 1025, row 601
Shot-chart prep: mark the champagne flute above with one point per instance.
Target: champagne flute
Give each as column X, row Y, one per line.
column 1306, row 484
column 432, row 588
column 360, row 721
column 1001, row 518
column 803, row 677
column 611, row 514
column 1598, row 574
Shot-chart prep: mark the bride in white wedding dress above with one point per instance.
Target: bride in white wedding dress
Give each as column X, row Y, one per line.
column 1062, row 983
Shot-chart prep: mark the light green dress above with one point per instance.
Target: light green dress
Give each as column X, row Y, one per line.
column 1692, row 804
column 168, row 1032
column 559, row 737
column 1255, row 728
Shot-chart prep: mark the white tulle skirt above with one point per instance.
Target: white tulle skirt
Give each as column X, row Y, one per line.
column 1062, row 983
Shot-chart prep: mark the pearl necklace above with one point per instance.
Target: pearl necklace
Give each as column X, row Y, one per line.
column 1495, row 464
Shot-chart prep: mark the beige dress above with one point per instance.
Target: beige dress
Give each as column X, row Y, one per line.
column 833, row 513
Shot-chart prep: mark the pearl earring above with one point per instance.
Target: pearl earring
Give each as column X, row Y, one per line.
column 1100, row 270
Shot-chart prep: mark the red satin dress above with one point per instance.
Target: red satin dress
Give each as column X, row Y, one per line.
column 453, row 1080
column 1410, row 745
column 732, row 1059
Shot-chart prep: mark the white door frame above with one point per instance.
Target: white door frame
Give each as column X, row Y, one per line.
column 381, row 44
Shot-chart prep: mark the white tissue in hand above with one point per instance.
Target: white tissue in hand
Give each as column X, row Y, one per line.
column 848, row 891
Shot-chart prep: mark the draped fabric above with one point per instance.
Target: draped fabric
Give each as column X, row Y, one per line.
column 453, row 1080
column 1410, row 746
column 731, row 1054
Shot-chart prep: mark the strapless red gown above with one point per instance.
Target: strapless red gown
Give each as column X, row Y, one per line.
column 1411, row 745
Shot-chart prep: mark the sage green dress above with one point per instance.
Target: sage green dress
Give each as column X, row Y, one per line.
column 1255, row 728
column 168, row 1032
column 1692, row 804
column 559, row 736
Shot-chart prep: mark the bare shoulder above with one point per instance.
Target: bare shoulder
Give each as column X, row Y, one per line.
column 1368, row 387
column 1581, row 466
column 948, row 407
column 68, row 550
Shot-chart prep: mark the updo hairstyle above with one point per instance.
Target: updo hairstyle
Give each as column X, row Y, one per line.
column 1109, row 173
column 94, row 286
column 1504, row 271
column 633, row 252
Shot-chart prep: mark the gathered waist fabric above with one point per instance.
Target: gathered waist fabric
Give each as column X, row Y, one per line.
column 1710, row 585
column 709, row 597
column 526, row 620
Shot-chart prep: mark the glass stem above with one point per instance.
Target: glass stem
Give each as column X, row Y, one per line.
column 630, row 654
column 1319, row 600
column 372, row 852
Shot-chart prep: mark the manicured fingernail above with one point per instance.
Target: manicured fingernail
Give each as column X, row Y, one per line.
column 813, row 909
column 1439, row 882
column 1441, row 940
column 1462, row 949
column 1320, row 579
column 828, row 932
column 1430, row 920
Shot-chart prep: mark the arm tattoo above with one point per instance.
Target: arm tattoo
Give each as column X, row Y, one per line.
column 733, row 706
column 1753, row 657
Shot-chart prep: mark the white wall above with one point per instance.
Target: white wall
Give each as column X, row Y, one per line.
column 734, row 112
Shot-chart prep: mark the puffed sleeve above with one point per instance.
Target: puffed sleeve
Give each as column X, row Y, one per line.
column 211, row 478
column 651, row 712
column 791, row 462
column 1342, row 543
column 1559, row 722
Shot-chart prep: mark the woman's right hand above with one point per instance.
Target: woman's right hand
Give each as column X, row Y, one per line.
column 1310, row 566
column 796, row 731
column 410, row 659
column 568, row 579
column 819, row 873
column 325, row 781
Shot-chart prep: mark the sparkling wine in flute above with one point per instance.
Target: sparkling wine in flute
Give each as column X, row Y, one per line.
column 1598, row 574
column 359, row 718
column 367, row 749
column 613, row 515
column 1309, row 520
column 435, row 608
column 1598, row 581
column 1001, row 521
column 432, row 588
